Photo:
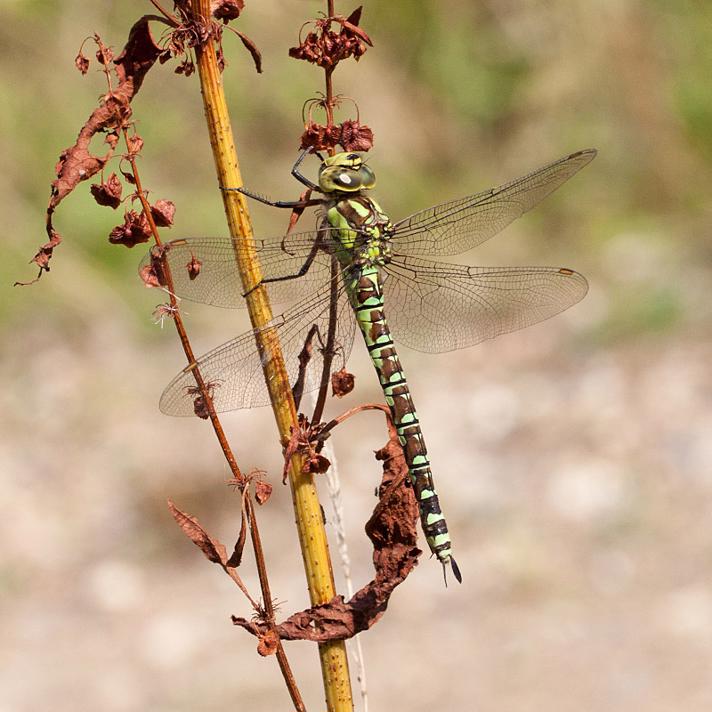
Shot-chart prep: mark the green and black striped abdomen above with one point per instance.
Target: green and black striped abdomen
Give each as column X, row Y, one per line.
column 364, row 287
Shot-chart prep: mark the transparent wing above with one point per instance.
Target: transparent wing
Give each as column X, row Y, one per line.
column 455, row 227
column 436, row 307
column 234, row 371
column 204, row 269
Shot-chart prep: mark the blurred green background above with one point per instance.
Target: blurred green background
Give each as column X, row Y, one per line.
column 574, row 459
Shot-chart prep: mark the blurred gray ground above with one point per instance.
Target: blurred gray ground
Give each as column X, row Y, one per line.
column 573, row 459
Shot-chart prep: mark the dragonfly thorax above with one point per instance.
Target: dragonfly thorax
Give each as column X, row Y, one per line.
column 362, row 230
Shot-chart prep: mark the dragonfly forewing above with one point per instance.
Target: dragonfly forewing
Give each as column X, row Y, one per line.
column 204, row 269
column 457, row 226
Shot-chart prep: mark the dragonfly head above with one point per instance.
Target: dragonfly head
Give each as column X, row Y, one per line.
column 345, row 173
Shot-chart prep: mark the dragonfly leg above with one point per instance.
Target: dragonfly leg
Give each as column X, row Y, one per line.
column 291, row 204
column 300, row 273
column 296, row 173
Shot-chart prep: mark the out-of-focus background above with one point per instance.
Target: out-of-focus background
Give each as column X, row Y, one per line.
column 573, row 459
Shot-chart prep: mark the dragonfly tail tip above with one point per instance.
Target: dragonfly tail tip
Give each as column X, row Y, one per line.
column 455, row 570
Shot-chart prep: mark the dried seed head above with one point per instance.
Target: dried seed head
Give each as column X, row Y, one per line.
column 108, row 192
column 356, row 136
column 163, row 212
column 342, row 383
column 326, row 48
column 200, row 404
column 134, row 230
column 193, row 267
column 81, row 63
column 149, row 276
column 268, row 643
column 316, row 464
column 263, row 491
column 320, row 137
column 226, row 10
column 134, row 144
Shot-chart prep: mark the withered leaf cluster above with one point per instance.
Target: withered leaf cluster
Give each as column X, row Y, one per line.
column 190, row 31
column 77, row 163
column 304, row 440
column 125, row 75
column 351, row 135
column 326, row 48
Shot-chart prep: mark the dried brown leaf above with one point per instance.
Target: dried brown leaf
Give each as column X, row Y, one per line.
column 236, row 557
column 129, row 177
column 351, row 23
column 138, row 56
column 327, row 48
column 252, row 49
column 212, row 548
column 149, row 277
column 200, row 407
column 104, row 54
column 320, row 137
column 186, row 67
column 43, row 256
column 200, row 402
column 393, row 533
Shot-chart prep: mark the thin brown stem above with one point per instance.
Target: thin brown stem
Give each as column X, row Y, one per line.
column 269, row 608
column 227, row 451
column 328, row 352
column 353, row 411
column 180, row 327
column 329, row 99
column 172, row 19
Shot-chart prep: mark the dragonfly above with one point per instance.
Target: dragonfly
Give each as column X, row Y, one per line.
column 359, row 270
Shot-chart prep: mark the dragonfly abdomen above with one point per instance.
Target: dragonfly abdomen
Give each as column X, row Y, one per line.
column 364, row 287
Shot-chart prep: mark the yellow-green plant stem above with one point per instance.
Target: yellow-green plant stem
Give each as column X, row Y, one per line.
column 310, row 526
